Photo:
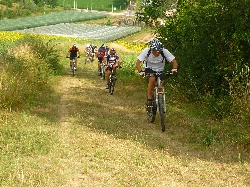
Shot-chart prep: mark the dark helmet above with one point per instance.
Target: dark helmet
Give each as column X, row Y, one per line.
column 156, row 45
column 112, row 51
column 103, row 45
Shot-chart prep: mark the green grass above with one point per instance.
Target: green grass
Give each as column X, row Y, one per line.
column 79, row 135
column 105, row 5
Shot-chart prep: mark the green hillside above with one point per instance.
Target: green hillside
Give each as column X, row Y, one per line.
column 64, row 131
column 96, row 4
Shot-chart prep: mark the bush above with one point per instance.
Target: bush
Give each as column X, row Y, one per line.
column 25, row 72
column 211, row 43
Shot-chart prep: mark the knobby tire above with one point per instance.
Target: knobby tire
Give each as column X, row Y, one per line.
column 73, row 68
column 152, row 113
column 111, row 85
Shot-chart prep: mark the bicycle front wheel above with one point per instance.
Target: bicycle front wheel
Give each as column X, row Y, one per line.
column 161, row 111
column 151, row 112
column 73, row 69
column 111, row 87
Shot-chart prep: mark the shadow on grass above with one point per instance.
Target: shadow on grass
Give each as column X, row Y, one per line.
column 87, row 103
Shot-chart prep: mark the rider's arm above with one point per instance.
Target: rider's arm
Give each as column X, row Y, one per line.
column 105, row 61
column 78, row 52
column 119, row 62
column 138, row 65
column 175, row 66
column 174, row 63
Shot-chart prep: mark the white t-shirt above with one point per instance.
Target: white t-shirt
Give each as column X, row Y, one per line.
column 155, row 63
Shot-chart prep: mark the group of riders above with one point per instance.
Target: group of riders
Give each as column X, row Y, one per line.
column 153, row 59
column 103, row 54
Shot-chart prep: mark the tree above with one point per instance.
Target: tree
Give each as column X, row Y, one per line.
column 150, row 10
column 52, row 3
column 211, row 40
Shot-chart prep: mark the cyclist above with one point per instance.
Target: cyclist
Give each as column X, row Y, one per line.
column 111, row 59
column 73, row 51
column 88, row 50
column 107, row 49
column 154, row 61
column 93, row 50
column 101, row 53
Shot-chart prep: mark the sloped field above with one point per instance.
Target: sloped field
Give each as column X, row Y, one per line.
column 94, row 32
column 48, row 19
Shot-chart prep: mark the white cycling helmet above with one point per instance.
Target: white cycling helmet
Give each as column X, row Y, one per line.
column 156, row 45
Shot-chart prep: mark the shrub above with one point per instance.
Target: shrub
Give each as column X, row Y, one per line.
column 25, row 72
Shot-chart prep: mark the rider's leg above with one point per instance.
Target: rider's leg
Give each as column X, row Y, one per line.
column 151, row 84
column 99, row 65
column 76, row 62
column 150, row 90
column 70, row 64
column 107, row 79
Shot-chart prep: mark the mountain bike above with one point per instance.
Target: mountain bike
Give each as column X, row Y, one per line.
column 73, row 65
column 89, row 57
column 112, row 79
column 159, row 99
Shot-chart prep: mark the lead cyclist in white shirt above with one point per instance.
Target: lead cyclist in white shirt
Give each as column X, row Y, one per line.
column 154, row 59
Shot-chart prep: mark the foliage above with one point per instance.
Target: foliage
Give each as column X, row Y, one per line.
column 149, row 11
column 211, row 43
column 104, row 5
column 26, row 67
column 52, row 3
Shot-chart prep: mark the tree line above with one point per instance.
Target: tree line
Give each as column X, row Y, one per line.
column 22, row 8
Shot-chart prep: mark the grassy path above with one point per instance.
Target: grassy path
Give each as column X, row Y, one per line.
column 106, row 141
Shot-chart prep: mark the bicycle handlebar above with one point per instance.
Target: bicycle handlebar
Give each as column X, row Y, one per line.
column 159, row 74
column 73, row 57
column 111, row 66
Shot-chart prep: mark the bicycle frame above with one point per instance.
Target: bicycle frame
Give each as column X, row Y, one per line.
column 112, row 79
column 159, row 89
column 159, row 98
column 73, row 65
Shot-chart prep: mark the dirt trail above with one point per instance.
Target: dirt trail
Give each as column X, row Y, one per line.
column 107, row 141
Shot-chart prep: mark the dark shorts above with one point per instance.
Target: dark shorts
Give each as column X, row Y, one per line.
column 71, row 57
column 109, row 68
column 148, row 70
column 100, row 58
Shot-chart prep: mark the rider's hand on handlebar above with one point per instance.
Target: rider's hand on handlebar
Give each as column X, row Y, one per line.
column 174, row 71
column 142, row 73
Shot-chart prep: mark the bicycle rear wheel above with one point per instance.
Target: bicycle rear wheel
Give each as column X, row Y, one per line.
column 161, row 111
